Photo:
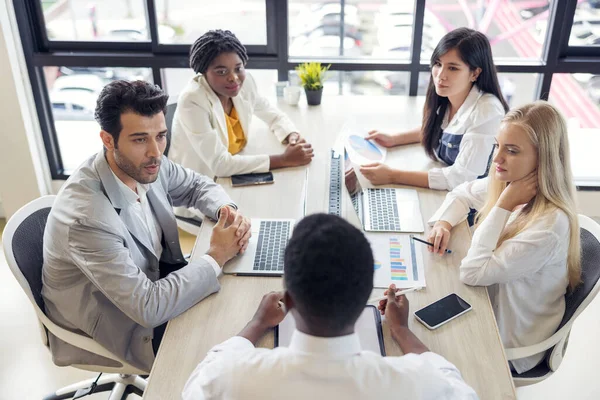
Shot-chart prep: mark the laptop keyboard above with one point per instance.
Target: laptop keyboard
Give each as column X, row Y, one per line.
column 355, row 199
column 272, row 239
column 383, row 210
column 335, row 189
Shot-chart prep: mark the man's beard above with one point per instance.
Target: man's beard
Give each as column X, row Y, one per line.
column 136, row 173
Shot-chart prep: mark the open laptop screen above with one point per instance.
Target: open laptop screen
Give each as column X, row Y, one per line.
column 350, row 178
column 353, row 185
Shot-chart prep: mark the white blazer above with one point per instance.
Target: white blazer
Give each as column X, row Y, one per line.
column 199, row 137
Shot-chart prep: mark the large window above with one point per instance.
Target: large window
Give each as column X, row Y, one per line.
column 586, row 25
column 187, row 20
column 516, row 29
column 376, row 29
column 375, row 47
column 103, row 21
column 73, row 92
column 578, row 97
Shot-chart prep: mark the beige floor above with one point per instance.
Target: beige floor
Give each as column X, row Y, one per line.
column 27, row 372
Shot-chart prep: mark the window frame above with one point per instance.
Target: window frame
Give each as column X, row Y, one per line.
column 39, row 51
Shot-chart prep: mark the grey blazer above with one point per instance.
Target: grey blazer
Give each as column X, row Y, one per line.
column 101, row 275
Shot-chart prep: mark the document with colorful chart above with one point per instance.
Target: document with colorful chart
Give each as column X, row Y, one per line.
column 363, row 151
column 397, row 260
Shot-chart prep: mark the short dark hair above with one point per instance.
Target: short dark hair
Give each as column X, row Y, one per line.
column 121, row 96
column 328, row 272
column 208, row 47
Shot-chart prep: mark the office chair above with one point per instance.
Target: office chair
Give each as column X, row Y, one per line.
column 187, row 224
column 171, row 107
column 23, row 247
column 576, row 301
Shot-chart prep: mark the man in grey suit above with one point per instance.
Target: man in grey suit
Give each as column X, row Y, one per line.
column 113, row 267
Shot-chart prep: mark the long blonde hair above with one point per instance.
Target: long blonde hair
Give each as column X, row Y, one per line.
column 547, row 130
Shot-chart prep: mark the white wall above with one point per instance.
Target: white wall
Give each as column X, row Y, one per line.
column 23, row 166
column 588, row 203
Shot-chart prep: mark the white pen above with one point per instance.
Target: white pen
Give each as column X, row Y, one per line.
column 398, row 293
column 282, row 306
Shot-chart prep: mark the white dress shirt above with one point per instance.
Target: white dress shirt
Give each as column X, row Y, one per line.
column 143, row 212
column 321, row 368
column 527, row 275
column 478, row 120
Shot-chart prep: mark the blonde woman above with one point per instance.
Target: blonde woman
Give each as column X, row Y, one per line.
column 525, row 248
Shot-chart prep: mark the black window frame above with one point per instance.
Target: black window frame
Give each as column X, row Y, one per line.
column 557, row 56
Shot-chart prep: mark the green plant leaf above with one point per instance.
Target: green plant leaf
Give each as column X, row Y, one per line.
column 312, row 75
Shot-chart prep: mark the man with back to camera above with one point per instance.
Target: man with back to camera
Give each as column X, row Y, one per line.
column 328, row 276
column 113, row 268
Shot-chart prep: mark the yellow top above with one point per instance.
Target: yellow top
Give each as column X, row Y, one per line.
column 237, row 139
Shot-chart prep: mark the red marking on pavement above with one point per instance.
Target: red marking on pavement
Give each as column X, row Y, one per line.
column 565, row 92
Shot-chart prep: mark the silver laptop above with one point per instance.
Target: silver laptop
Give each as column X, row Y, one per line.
column 264, row 255
column 383, row 209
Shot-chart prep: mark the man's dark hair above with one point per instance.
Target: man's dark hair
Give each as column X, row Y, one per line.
column 118, row 97
column 328, row 272
column 208, row 47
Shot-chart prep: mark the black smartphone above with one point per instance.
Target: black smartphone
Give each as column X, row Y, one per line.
column 252, row 179
column 446, row 309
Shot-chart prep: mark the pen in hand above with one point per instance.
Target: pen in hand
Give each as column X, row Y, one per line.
column 398, row 293
column 448, row 251
column 282, row 306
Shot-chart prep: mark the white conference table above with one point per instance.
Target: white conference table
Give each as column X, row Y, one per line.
column 471, row 342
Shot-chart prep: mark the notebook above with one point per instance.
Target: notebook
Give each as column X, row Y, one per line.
column 368, row 328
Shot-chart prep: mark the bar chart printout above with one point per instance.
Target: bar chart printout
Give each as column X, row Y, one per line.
column 397, row 261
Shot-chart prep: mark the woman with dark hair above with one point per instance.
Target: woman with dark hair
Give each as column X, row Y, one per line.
column 212, row 120
column 462, row 113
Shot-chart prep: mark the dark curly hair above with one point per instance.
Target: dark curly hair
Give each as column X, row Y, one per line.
column 208, row 47
column 328, row 272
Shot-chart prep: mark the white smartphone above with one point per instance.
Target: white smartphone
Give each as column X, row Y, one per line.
column 446, row 309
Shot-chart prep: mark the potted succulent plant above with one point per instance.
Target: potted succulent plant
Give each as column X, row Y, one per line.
column 312, row 75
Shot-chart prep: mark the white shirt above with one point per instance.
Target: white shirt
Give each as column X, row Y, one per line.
column 527, row 275
column 478, row 120
column 321, row 368
column 143, row 212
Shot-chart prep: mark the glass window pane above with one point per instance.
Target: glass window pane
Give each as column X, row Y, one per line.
column 578, row 97
column 585, row 30
column 177, row 78
column 379, row 82
column 108, row 20
column 190, row 19
column 73, row 92
column 361, row 82
column 516, row 29
column 331, row 86
column 518, row 89
column 370, row 29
